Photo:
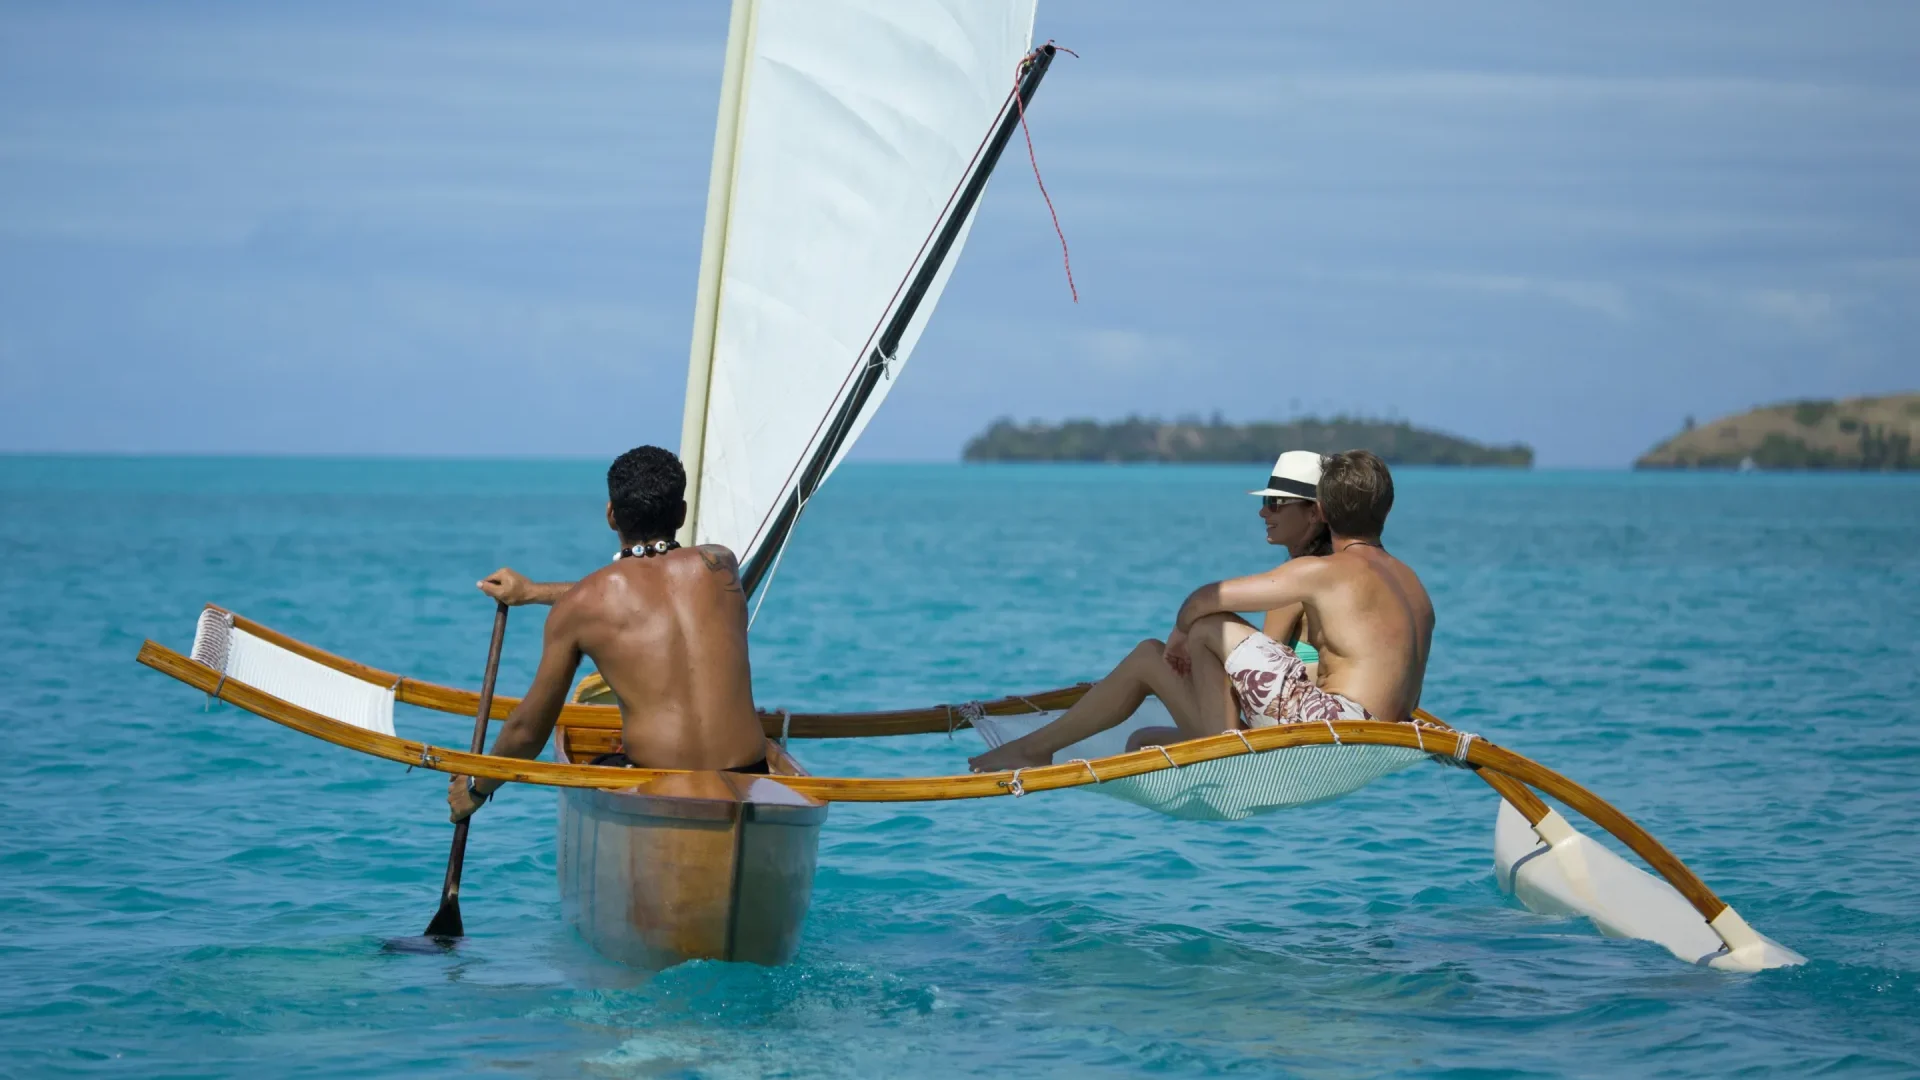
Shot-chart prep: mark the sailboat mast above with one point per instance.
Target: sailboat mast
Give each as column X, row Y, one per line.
column 820, row 461
column 741, row 26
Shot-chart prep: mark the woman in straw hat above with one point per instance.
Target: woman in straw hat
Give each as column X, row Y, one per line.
column 1293, row 521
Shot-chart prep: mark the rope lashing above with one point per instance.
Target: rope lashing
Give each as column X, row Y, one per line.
column 1331, row 731
column 1457, row 759
column 1089, row 767
column 1242, row 736
column 213, row 638
column 1031, row 705
column 786, row 724
column 219, row 644
column 1164, row 754
column 970, row 711
column 1460, row 746
column 1014, row 786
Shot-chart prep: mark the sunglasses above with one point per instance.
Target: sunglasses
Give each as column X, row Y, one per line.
column 1275, row 502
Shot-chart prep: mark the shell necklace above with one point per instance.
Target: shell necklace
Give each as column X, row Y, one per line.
column 647, row 550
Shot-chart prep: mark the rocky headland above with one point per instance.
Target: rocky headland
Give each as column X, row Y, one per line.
column 1866, row 433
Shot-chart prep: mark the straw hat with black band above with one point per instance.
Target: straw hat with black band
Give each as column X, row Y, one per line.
column 1296, row 475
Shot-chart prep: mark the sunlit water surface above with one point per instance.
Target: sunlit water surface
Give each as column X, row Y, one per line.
column 1731, row 659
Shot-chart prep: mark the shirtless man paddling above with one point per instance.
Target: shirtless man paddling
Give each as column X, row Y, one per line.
column 1365, row 611
column 667, row 627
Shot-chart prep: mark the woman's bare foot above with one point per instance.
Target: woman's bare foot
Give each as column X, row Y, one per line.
column 1009, row 756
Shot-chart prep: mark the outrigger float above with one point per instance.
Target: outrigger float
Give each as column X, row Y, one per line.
column 853, row 145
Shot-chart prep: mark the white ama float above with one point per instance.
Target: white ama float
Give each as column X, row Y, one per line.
column 1550, row 866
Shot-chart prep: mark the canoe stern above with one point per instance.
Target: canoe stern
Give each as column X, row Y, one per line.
column 692, row 866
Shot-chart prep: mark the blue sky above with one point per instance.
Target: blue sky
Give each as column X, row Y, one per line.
column 473, row 228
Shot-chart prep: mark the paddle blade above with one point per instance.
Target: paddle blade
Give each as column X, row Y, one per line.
column 446, row 922
column 418, row 946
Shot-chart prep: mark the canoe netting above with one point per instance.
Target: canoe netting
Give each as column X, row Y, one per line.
column 585, row 727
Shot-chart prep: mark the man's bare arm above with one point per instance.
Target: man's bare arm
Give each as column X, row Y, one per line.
column 530, row 725
column 1283, row 624
column 1280, row 587
column 512, row 589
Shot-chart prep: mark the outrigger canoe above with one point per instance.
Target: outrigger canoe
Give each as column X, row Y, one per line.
column 662, row 865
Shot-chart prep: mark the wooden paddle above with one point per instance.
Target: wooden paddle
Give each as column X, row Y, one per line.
column 446, row 922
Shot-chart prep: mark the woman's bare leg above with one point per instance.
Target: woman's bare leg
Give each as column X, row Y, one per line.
column 1210, row 641
column 1107, row 703
column 1154, row 736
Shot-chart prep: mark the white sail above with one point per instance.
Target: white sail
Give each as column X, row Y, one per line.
column 846, row 127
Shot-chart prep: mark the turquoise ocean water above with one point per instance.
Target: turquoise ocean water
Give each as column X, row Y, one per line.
column 1734, row 660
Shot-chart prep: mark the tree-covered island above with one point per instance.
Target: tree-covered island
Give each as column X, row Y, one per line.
column 1868, row 433
column 1141, row 440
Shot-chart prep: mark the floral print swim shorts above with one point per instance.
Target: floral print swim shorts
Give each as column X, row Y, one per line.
column 1273, row 687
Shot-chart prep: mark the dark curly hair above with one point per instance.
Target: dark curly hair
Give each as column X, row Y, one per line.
column 648, row 489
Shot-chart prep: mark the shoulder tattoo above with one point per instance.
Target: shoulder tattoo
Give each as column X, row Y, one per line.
column 721, row 561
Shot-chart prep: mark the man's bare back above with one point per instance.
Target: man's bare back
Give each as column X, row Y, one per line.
column 669, row 634
column 667, row 627
column 1372, row 621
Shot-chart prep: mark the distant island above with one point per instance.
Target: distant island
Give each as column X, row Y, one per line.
column 1139, row 440
column 1868, row 433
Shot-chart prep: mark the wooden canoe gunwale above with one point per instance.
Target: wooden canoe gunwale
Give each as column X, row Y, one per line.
column 745, row 796
column 1475, row 752
column 776, row 723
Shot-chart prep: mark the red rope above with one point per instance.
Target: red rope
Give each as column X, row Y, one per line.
column 1066, row 259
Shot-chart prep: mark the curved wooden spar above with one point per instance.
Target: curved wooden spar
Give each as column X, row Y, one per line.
column 776, row 723
column 594, row 709
column 1515, row 792
column 1468, row 749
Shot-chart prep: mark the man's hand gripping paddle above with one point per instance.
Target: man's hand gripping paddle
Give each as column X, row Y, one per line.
column 446, row 924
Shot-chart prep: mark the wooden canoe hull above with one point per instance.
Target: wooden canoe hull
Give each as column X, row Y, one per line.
column 695, row 866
